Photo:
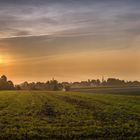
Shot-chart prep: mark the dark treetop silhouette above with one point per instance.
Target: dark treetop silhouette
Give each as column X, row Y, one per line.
column 54, row 85
column 6, row 84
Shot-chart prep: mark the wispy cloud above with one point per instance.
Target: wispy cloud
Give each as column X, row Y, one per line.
column 47, row 37
column 69, row 17
column 70, row 24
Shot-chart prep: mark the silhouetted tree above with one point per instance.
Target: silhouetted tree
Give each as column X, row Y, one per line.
column 25, row 85
column 4, row 84
column 4, row 78
column 67, row 88
column 17, row 87
column 115, row 82
column 10, row 85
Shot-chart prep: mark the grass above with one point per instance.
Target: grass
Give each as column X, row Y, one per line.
column 68, row 115
column 112, row 90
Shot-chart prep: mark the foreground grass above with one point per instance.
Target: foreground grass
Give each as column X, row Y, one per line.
column 67, row 115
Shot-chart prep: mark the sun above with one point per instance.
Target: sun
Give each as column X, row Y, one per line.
column 1, row 60
column 5, row 59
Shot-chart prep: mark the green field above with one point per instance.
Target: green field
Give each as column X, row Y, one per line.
column 68, row 115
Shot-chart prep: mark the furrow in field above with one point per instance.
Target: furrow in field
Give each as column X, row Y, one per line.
column 44, row 106
column 67, row 114
column 6, row 100
column 100, row 109
column 32, row 104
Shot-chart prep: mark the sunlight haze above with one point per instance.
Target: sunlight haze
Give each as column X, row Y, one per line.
column 69, row 40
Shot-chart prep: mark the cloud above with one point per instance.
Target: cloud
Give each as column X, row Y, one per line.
column 92, row 21
column 54, row 35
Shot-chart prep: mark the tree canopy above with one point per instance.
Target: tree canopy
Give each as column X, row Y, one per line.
column 6, row 84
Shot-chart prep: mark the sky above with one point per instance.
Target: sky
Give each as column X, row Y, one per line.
column 69, row 40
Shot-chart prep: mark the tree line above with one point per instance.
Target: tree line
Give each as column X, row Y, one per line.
column 110, row 82
column 54, row 85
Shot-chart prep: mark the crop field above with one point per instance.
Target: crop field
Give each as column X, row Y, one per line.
column 112, row 90
column 68, row 115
